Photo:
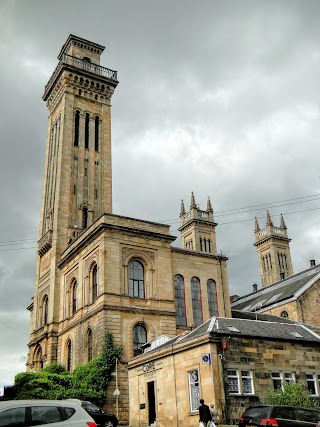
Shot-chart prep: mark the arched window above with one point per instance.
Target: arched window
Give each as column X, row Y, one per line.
column 84, row 217
column 196, row 301
column 86, row 131
column 69, row 356
column 94, row 282
column 76, row 128
column 45, row 310
column 284, row 314
column 38, row 363
column 136, row 279
column 212, row 298
column 96, row 133
column 89, row 344
column 139, row 339
column 74, row 297
column 180, row 303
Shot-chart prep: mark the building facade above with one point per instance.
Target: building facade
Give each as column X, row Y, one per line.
column 97, row 271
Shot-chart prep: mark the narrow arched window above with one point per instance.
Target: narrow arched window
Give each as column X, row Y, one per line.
column 86, row 131
column 180, row 303
column 212, row 298
column 139, row 339
column 136, row 279
column 76, row 128
column 96, row 133
column 69, row 356
column 84, row 217
column 89, row 344
column 94, row 283
column 196, row 301
column 74, row 297
column 45, row 310
column 38, row 363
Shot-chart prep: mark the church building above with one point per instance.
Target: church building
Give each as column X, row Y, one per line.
column 96, row 270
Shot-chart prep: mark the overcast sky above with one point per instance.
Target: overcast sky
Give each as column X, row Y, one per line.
column 216, row 97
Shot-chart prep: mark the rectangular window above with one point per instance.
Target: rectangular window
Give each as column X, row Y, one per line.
column 194, row 390
column 313, row 383
column 279, row 377
column 240, row 381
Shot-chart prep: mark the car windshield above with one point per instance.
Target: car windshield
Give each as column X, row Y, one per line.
column 256, row 412
column 91, row 407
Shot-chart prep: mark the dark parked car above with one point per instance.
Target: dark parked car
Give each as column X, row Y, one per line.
column 103, row 419
column 281, row 416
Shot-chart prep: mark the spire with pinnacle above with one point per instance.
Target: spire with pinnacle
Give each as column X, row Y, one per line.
column 193, row 202
column 282, row 223
column 256, row 225
column 209, row 207
column 182, row 209
column 269, row 222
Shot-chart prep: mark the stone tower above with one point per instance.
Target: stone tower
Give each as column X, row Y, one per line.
column 197, row 228
column 77, row 181
column 273, row 250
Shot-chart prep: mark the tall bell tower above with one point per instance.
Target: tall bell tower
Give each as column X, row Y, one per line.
column 273, row 251
column 77, row 180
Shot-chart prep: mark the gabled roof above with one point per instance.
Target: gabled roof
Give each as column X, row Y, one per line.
column 288, row 289
column 264, row 327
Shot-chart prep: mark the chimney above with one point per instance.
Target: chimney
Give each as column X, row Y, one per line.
column 312, row 263
column 255, row 287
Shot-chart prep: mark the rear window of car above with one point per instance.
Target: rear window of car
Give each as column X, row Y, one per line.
column 308, row 415
column 256, row 412
column 45, row 415
column 69, row 412
column 283, row 412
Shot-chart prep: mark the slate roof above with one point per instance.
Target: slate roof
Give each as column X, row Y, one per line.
column 265, row 327
column 279, row 292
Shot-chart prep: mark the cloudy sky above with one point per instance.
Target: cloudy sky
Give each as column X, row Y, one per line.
column 216, row 97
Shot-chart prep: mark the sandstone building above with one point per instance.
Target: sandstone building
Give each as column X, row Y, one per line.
column 97, row 270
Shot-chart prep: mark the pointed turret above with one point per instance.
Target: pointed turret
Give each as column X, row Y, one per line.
column 282, row 223
column 209, row 207
column 269, row 222
column 182, row 209
column 193, row 202
column 256, row 225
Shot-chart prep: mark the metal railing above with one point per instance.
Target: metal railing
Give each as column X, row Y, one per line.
column 83, row 65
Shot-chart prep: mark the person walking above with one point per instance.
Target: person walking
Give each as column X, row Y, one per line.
column 214, row 414
column 204, row 414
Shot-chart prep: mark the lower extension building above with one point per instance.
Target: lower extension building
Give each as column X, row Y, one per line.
column 98, row 271
column 230, row 362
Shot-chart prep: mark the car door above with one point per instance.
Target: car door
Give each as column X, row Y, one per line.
column 306, row 417
column 51, row 414
column 285, row 416
column 13, row 417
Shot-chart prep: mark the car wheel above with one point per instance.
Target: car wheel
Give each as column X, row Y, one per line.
column 108, row 424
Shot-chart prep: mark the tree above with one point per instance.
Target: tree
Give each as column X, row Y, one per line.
column 86, row 382
column 292, row 394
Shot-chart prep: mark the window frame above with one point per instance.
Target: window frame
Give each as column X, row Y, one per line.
column 196, row 303
column 136, row 286
column 194, row 386
column 278, row 375
column 316, row 382
column 180, row 302
column 94, row 282
column 237, row 373
column 137, row 345
column 212, row 298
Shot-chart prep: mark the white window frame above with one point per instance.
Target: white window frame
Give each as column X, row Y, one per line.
column 194, row 390
column 240, row 376
column 283, row 376
column 316, row 381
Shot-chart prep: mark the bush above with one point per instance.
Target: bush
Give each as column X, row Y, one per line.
column 292, row 394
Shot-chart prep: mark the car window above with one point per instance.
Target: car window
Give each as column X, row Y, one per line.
column 90, row 407
column 69, row 412
column 306, row 415
column 14, row 417
column 255, row 412
column 284, row 412
column 44, row 415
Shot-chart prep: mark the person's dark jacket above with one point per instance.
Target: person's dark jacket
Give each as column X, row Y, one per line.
column 204, row 413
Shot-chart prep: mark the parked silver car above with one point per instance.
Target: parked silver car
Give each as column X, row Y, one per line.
column 57, row 413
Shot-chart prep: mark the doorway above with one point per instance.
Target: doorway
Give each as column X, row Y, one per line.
column 151, row 402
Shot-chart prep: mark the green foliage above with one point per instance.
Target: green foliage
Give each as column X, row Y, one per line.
column 86, row 382
column 292, row 394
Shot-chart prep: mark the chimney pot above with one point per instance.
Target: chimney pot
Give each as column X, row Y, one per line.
column 255, row 287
